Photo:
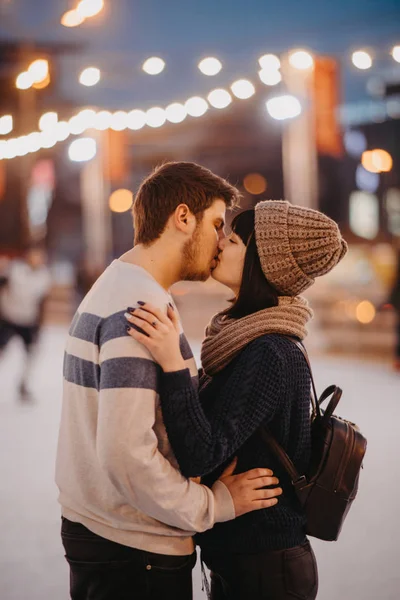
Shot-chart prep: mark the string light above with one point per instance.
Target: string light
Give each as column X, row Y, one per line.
column 72, row 19
column 82, row 150
column 24, row 81
column 155, row 117
column 396, row 53
column 38, row 70
column 48, row 120
column 283, row 107
column 119, row 120
column 176, row 112
column 90, row 76
column 219, row 98
column 210, row 66
column 153, row 65
column 301, row 60
column 196, row 106
column 136, row 119
column 243, row 89
column 270, row 77
column 269, row 62
column 362, row 60
column 89, row 8
column 6, row 124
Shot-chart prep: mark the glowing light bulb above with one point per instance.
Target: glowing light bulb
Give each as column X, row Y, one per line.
column 90, row 76
column 210, row 66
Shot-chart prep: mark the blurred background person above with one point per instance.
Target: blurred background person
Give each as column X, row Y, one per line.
column 25, row 284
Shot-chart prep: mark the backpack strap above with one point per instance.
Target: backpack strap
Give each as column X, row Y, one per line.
column 281, row 455
column 314, row 397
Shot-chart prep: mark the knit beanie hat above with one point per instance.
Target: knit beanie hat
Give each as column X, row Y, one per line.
column 295, row 245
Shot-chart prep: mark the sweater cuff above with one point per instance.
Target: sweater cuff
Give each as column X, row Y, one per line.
column 224, row 507
column 176, row 380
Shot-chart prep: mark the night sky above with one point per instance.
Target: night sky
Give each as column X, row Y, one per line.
column 237, row 32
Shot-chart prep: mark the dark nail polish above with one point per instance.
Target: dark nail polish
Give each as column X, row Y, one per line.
column 141, row 303
column 130, row 309
column 171, row 305
column 128, row 328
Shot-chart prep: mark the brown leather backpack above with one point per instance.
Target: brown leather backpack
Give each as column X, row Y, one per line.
column 327, row 491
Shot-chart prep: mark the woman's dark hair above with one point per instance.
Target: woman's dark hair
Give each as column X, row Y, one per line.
column 255, row 292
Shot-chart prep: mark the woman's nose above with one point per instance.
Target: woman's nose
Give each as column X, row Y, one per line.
column 221, row 244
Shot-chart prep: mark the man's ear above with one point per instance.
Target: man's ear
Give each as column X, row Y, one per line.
column 184, row 219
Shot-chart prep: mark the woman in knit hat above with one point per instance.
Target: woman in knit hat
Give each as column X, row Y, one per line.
column 253, row 375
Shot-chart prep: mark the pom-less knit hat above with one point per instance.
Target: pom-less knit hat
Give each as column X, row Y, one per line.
column 295, row 245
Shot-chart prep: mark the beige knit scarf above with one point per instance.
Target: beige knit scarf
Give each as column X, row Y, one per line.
column 226, row 337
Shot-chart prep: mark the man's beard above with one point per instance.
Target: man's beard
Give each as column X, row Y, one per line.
column 190, row 256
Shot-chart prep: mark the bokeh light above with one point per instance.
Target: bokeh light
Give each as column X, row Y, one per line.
column 24, row 81
column 6, row 124
column 153, row 65
column 210, row 66
column 365, row 312
column 136, row 119
column 48, row 120
column 72, row 19
column 90, row 76
column 219, row 98
column 243, row 89
column 270, row 77
column 155, row 117
column 40, row 85
column 175, row 112
column 377, row 161
column 255, row 184
column 196, row 106
column 119, row 120
column 269, row 62
column 301, row 59
column 283, row 107
column 39, row 70
column 361, row 59
column 120, row 201
column 396, row 53
column 102, row 120
column 366, row 181
column 82, row 150
column 89, row 8
column 62, row 131
column 355, row 143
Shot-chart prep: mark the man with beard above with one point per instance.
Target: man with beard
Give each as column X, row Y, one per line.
column 128, row 515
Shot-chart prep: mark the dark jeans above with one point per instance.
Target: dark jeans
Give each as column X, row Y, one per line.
column 104, row 570
column 279, row 575
column 9, row 330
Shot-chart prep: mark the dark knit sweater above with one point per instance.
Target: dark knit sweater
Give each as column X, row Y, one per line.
column 268, row 382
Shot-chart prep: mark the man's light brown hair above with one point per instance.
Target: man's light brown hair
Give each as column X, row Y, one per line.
column 170, row 185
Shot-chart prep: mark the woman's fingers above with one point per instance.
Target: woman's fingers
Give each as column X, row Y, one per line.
column 172, row 314
column 149, row 328
column 149, row 313
column 139, row 337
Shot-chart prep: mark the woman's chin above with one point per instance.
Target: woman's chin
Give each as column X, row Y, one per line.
column 216, row 274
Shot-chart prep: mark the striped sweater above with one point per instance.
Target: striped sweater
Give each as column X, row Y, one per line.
column 115, row 468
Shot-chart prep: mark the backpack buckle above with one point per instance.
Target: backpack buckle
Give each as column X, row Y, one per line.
column 299, row 482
